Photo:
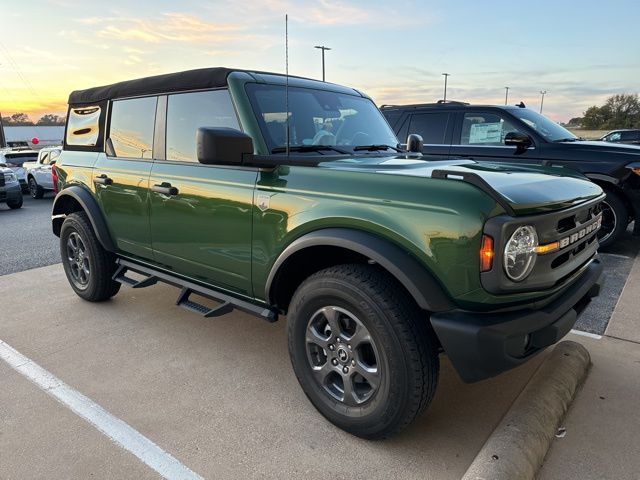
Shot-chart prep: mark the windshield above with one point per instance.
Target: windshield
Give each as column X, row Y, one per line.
column 318, row 118
column 549, row 129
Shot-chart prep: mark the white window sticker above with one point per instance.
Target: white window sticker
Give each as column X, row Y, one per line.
column 485, row 133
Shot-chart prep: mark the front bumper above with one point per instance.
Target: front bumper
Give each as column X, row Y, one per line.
column 482, row 345
column 11, row 192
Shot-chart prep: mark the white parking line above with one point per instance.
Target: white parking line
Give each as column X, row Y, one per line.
column 586, row 334
column 114, row 428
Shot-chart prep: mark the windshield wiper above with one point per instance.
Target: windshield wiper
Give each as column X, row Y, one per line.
column 570, row 139
column 309, row 148
column 373, row 148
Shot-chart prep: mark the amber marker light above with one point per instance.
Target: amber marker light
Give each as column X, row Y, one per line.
column 548, row 248
column 486, row 253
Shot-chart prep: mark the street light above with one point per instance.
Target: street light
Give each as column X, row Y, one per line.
column 323, row 48
column 445, row 75
column 506, row 95
column 543, row 93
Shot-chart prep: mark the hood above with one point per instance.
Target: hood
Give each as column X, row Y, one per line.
column 526, row 190
column 604, row 147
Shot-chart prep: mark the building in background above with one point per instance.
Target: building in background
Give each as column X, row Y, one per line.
column 47, row 135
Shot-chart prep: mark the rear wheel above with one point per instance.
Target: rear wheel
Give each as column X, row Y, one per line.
column 35, row 190
column 88, row 266
column 615, row 218
column 362, row 350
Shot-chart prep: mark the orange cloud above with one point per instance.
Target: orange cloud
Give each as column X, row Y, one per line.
column 171, row 27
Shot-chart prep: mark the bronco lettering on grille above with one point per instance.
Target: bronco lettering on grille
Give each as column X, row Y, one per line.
column 580, row 234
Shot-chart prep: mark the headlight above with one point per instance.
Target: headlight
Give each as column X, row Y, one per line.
column 10, row 177
column 519, row 253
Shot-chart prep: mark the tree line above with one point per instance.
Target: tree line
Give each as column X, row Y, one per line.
column 22, row 119
column 619, row 111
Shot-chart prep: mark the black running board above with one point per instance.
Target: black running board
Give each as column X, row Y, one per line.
column 227, row 302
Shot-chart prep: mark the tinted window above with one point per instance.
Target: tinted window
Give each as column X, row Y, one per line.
column 132, row 125
column 186, row 112
column 431, row 126
column 484, row 128
column 627, row 136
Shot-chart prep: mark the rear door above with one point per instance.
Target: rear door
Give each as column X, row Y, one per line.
column 201, row 214
column 435, row 130
column 121, row 176
column 480, row 134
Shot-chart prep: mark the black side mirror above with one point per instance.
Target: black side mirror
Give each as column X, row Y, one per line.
column 414, row 143
column 223, row 146
column 521, row 141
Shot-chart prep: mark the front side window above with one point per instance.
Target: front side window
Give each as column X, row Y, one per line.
column 132, row 126
column 317, row 117
column 614, row 137
column 485, row 128
column 431, row 126
column 186, row 112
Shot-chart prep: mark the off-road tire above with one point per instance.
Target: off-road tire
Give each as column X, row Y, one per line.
column 15, row 204
column 35, row 190
column 102, row 266
column 621, row 214
column 404, row 339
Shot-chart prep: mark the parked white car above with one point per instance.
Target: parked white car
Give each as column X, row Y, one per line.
column 14, row 159
column 38, row 173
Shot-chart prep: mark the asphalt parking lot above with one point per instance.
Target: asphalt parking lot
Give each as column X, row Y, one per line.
column 218, row 395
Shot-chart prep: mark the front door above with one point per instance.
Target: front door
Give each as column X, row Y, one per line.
column 481, row 134
column 121, row 177
column 201, row 214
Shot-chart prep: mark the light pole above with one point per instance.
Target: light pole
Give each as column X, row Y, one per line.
column 445, row 75
column 543, row 93
column 506, row 95
column 323, row 48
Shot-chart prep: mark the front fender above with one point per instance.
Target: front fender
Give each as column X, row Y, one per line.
column 415, row 277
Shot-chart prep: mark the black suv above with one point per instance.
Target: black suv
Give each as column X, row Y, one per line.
column 628, row 136
column 519, row 135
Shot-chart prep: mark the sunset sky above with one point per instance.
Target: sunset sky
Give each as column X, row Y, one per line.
column 580, row 52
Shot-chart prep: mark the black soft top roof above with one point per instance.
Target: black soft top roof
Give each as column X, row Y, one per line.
column 170, row 82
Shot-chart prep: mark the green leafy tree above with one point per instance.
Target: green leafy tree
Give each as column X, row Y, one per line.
column 619, row 111
column 51, row 119
column 19, row 119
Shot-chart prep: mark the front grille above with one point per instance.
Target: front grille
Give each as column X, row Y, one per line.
column 552, row 269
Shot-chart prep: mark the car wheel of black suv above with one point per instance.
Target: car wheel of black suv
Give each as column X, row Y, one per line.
column 36, row 190
column 15, row 204
column 615, row 219
column 88, row 266
column 362, row 350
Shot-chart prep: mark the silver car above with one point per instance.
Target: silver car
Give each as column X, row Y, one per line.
column 38, row 173
column 10, row 192
column 14, row 158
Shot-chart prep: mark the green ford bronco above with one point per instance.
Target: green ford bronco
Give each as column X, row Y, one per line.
column 283, row 195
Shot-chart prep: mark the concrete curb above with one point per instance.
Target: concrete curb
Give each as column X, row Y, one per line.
column 518, row 445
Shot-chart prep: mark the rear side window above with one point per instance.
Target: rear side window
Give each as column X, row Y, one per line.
column 132, row 126
column 186, row 112
column 627, row 136
column 431, row 126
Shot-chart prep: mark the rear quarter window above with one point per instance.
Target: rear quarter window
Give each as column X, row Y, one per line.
column 83, row 126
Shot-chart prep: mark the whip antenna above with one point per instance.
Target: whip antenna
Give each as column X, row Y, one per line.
column 286, row 78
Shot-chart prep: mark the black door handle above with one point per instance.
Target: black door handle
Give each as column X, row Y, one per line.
column 103, row 180
column 165, row 188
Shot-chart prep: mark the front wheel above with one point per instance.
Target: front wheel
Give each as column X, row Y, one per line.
column 362, row 350
column 15, row 204
column 615, row 218
column 88, row 266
